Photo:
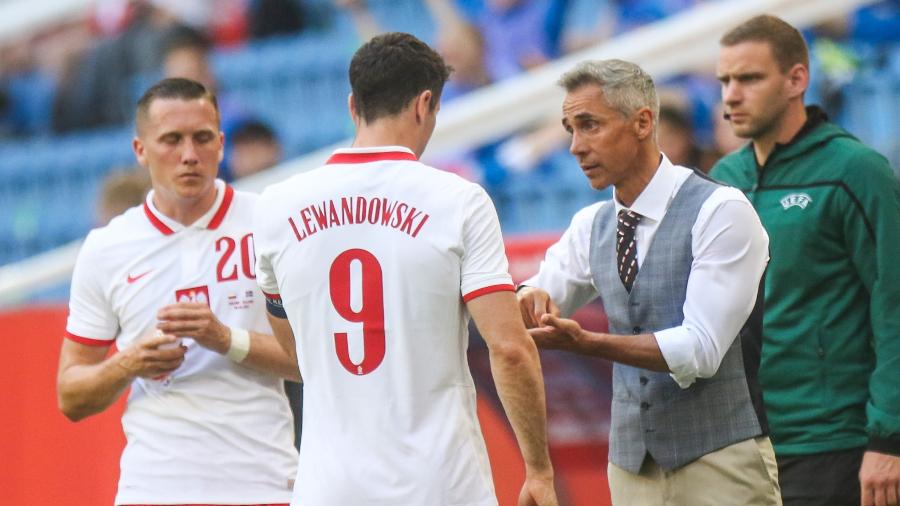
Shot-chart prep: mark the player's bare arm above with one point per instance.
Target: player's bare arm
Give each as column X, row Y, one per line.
column 565, row 334
column 534, row 303
column 516, row 368
column 197, row 321
column 88, row 382
column 284, row 334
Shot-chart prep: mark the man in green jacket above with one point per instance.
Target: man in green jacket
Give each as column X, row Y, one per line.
column 830, row 368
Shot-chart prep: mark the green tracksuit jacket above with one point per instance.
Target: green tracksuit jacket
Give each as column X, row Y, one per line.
column 830, row 369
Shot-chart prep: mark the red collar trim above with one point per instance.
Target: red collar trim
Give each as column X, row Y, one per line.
column 156, row 222
column 370, row 157
column 213, row 223
column 220, row 214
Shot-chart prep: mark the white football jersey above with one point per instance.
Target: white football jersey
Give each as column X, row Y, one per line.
column 213, row 431
column 372, row 257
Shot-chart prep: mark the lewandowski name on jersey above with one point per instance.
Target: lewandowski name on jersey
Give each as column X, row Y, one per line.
column 358, row 211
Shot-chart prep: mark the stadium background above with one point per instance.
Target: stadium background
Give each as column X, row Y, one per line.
column 296, row 82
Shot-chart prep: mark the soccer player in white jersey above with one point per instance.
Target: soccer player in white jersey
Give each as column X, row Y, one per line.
column 374, row 263
column 172, row 284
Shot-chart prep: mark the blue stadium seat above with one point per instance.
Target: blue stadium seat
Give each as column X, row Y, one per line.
column 870, row 109
column 48, row 186
column 31, row 96
column 298, row 84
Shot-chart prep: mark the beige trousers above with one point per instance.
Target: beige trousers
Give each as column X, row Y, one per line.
column 743, row 474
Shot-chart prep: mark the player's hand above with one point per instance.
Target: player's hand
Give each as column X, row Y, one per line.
column 153, row 355
column 556, row 333
column 879, row 478
column 538, row 491
column 197, row 321
column 535, row 303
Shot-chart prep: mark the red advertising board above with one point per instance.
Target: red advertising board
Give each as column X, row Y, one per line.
column 49, row 460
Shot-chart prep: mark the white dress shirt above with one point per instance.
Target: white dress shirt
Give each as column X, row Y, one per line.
column 730, row 250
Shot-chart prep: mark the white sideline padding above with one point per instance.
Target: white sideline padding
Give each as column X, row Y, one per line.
column 684, row 42
column 19, row 18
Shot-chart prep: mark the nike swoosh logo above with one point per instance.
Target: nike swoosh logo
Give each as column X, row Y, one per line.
column 131, row 279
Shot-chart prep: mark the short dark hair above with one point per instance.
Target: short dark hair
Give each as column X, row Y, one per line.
column 676, row 116
column 252, row 130
column 786, row 42
column 174, row 87
column 185, row 37
column 390, row 70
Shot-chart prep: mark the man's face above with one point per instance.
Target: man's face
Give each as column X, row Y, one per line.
column 190, row 63
column 462, row 49
column 180, row 143
column 676, row 142
column 755, row 91
column 250, row 157
column 604, row 141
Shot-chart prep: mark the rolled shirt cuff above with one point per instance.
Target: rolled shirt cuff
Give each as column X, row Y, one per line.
column 678, row 349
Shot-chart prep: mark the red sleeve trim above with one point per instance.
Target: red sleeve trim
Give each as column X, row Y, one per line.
column 89, row 341
column 162, row 227
column 275, row 296
column 220, row 214
column 486, row 290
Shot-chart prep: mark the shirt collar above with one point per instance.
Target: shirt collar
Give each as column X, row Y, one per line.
column 371, row 154
column 653, row 202
column 210, row 220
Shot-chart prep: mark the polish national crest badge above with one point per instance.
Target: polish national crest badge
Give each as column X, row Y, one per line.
column 195, row 294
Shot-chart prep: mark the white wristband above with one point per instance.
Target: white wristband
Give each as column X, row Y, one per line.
column 240, row 345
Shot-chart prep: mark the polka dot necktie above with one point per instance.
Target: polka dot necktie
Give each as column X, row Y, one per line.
column 626, row 247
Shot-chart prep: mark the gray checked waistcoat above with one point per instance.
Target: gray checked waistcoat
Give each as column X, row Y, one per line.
column 650, row 412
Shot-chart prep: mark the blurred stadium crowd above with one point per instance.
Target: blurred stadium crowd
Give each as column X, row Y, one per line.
column 279, row 68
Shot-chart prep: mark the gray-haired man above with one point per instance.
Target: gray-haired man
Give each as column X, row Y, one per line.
column 676, row 260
